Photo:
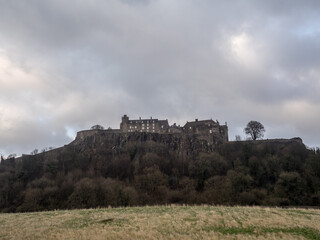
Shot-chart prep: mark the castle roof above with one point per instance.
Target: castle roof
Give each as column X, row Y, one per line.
column 201, row 122
column 149, row 120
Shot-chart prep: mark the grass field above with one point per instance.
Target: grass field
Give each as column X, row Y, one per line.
column 164, row 222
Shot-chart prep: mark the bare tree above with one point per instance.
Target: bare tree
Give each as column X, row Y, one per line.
column 34, row 152
column 254, row 129
column 238, row 138
column 97, row 127
column 13, row 155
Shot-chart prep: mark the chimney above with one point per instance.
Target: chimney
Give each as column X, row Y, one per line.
column 196, row 119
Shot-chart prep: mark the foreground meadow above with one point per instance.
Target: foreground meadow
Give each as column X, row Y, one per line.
column 164, row 222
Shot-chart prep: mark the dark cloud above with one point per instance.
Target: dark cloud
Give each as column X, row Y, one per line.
column 65, row 66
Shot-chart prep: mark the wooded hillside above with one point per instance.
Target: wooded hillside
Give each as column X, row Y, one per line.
column 146, row 169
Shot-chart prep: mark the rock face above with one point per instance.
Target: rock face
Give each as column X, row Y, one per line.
column 112, row 139
column 114, row 142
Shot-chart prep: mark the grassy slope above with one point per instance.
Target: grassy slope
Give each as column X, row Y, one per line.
column 164, row 222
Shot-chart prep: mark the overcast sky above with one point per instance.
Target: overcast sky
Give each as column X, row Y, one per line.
column 67, row 65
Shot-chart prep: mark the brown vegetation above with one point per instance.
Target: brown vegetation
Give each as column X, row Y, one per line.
column 164, row 222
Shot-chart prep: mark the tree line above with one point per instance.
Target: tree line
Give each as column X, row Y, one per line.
column 238, row 173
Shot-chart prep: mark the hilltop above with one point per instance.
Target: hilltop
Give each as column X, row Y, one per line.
column 111, row 168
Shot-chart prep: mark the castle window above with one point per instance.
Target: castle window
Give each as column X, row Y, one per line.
column 210, row 131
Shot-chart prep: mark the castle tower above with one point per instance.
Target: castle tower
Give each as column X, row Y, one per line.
column 124, row 123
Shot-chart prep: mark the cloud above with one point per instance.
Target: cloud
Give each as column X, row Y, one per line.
column 65, row 66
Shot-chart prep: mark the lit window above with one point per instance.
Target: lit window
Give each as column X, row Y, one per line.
column 210, row 131
column 190, row 127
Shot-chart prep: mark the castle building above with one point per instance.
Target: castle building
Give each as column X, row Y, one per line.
column 144, row 125
column 208, row 130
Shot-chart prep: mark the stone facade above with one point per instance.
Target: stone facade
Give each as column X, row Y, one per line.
column 144, row 125
column 208, row 130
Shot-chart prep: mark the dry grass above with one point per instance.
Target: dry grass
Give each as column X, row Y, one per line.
column 164, row 222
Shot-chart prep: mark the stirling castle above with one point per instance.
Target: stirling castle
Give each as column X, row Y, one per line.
column 208, row 130
column 203, row 130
